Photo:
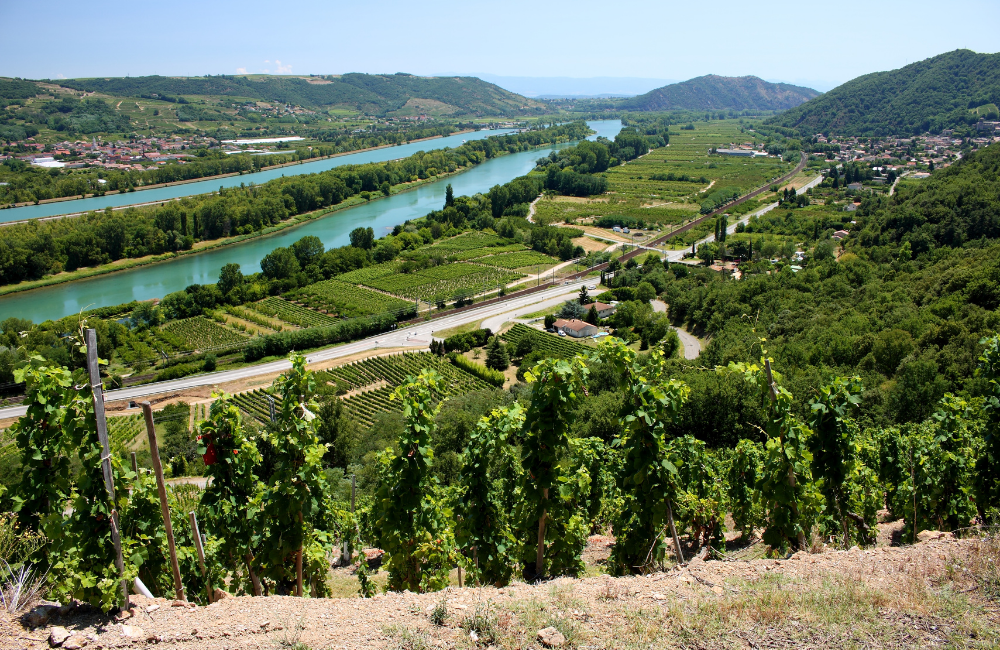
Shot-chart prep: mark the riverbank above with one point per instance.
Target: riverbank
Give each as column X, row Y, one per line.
column 63, row 199
column 205, row 246
column 202, row 247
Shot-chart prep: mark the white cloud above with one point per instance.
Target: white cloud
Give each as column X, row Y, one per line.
column 60, row 76
column 241, row 70
column 282, row 69
column 266, row 61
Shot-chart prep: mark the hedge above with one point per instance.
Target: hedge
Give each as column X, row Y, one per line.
column 284, row 342
column 489, row 375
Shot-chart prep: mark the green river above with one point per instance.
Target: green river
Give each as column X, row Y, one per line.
column 157, row 280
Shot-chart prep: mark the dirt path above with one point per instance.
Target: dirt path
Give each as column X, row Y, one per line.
column 886, row 597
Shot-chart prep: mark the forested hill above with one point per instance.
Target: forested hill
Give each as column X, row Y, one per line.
column 373, row 94
column 957, row 206
column 713, row 92
column 945, row 91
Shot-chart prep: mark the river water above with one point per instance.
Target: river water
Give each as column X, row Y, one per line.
column 157, row 280
column 203, row 187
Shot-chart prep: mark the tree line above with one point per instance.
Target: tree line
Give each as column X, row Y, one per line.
column 35, row 249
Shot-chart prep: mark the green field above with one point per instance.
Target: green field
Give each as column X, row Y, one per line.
column 433, row 283
column 639, row 190
column 345, row 300
column 201, row 333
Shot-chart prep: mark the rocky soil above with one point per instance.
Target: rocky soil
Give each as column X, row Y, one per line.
column 915, row 596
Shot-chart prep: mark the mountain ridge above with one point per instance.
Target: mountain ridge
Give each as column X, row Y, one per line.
column 373, row 94
column 928, row 95
column 715, row 92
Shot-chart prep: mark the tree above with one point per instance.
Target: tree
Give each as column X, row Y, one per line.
column 496, row 355
column 571, row 309
column 308, row 250
column 449, row 196
column 230, row 277
column 708, row 252
column 363, row 238
column 279, row 264
column 584, row 296
column 645, row 292
column 592, row 316
column 550, row 321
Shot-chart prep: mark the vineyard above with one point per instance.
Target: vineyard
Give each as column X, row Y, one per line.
column 200, row 333
column 517, row 260
column 255, row 404
column 465, row 242
column 434, row 283
column 475, row 253
column 393, row 370
column 544, row 341
column 348, row 301
column 291, row 313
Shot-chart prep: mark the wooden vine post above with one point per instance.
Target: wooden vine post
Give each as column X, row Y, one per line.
column 673, row 531
column 201, row 554
column 154, row 453
column 540, row 550
column 102, row 433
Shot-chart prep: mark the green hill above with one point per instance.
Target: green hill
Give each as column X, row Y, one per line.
column 373, row 94
column 713, row 92
column 940, row 92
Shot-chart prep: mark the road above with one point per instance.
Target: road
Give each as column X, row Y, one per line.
column 692, row 346
column 414, row 335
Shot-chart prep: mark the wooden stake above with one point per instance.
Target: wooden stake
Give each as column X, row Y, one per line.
column 135, row 466
column 253, row 575
column 154, row 453
column 102, row 433
column 201, row 554
column 540, row 551
column 459, row 577
column 673, row 531
column 298, row 563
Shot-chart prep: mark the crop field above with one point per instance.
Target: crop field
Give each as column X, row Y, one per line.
column 368, row 274
column 434, row 283
column 517, row 260
column 393, row 370
column 199, row 333
column 480, row 252
column 349, row 301
column 291, row 313
column 665, row 185
column 549, row 342
column 464, row 242
column 122, row 432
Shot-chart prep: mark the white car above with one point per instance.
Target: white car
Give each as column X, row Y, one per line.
column 592, row 287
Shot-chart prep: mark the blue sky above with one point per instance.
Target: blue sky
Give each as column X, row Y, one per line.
column 820, row 44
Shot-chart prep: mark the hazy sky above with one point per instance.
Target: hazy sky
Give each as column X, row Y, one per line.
column 820, row 44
